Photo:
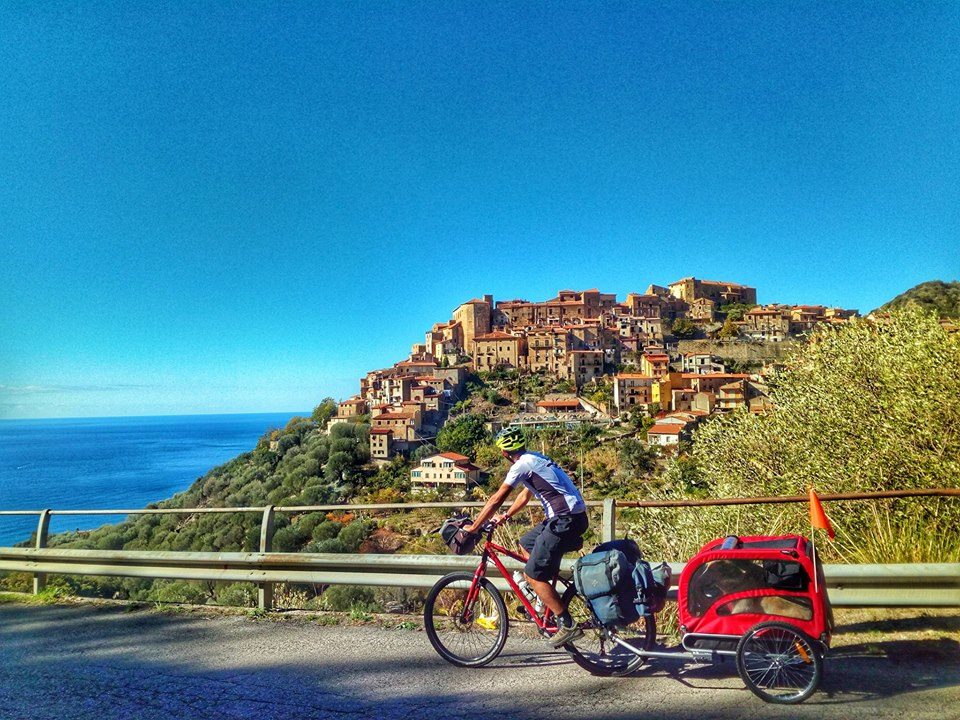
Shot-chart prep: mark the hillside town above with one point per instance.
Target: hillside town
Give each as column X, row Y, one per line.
column 582, row 338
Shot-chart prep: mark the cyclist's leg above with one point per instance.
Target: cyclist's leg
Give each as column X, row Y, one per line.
column 529, row 539
column 559, row 535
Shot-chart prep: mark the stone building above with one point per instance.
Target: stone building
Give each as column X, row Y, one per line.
column 474, row 318
column 722, row 293
column 632, row 391
column 499, row 349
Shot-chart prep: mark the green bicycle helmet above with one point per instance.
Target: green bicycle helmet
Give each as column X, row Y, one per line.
column 511, row 439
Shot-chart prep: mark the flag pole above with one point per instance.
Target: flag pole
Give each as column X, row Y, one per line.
column 813, row 545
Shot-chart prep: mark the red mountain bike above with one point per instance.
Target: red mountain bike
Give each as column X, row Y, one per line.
column 467, row 622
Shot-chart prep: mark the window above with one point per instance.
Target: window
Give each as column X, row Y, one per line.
column 724, row 577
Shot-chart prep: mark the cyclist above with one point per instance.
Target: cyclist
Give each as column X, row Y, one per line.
column 559, row 533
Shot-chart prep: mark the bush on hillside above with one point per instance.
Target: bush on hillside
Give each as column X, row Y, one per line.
column 463, row 434
column 863, row 407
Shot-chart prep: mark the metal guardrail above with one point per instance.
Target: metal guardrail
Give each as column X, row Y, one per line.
column 908, row 585
column 265, row 591
column 905, row 585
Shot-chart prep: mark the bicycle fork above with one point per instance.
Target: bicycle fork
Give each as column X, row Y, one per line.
column 474, row 591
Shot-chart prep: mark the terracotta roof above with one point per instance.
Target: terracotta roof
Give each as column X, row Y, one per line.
column 497, row 335
column 656, row 356
column 381, row 431
column 732, row 376
column 353, row 401
column 417, row 363
column 456, row 457
column 665, row 429
column 634, row 376
column 393, row 416
column 559, row 403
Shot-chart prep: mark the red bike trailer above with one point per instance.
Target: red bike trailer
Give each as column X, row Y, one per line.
column 733, row 583
column 761, row 600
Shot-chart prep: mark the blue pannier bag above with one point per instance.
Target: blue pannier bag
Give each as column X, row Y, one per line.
column 651, row 585
column 605, row 578
column 657, row 596
column 619, row 584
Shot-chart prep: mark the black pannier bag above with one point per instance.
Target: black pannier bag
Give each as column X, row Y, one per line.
column 457, row 539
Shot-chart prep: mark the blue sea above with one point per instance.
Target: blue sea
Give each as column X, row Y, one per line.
column 112, row 463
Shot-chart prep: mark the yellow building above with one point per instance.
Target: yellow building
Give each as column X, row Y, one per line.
column 654, row 364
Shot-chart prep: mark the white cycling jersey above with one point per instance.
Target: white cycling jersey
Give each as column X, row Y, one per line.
column 547, row 480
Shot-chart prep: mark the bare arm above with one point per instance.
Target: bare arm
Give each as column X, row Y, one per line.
column 493, row 504
column 518, row 504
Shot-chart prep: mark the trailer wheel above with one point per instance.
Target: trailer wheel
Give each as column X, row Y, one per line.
column 779, row 663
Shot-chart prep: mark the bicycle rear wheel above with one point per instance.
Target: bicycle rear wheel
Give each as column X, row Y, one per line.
column 596, row 652
column 465, row 636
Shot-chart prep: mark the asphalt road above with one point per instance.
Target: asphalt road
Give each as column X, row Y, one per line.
column 106, row 663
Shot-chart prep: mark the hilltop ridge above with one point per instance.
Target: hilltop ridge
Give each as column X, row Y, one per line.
column 937, row 295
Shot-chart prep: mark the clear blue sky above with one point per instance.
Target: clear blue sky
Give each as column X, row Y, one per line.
column 227, row 207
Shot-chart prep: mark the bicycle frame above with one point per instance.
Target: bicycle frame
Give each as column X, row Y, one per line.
column 490, row 550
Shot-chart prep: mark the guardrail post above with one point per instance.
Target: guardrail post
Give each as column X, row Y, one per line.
column 265, row 591
column 43, row 526
column 608, row 523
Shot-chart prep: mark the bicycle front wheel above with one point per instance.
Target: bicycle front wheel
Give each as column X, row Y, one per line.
column 596, row 652
column 465, row 635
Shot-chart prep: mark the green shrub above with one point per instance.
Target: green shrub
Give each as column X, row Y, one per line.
column 343, row 598
column 178, row 591
column 355, row 533
column 289, row 539
column 310, row 521
column 331, row 545
column 326, row 530
column 237, row 594
column 17, row 582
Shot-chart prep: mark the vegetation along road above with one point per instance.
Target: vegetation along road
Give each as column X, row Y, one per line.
column 86, row 661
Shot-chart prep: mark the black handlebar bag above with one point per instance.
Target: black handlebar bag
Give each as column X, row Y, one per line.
column 457, row 539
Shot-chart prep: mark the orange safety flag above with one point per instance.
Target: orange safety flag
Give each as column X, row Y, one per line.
column 818, row 518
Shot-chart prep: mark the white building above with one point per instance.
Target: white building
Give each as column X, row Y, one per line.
column 444, row 470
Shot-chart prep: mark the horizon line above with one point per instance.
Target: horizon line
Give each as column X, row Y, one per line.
column 160, row 415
